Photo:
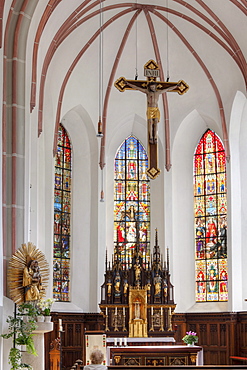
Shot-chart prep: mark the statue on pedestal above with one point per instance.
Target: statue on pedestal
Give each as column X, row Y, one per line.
column 32, row 281
column 28, row 274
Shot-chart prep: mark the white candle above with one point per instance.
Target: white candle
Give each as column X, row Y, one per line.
column 115, row 341
column 60, row 327
column 115, row 310
column 152, row 311
column 161, row 311
column 125, row 341
column 106, row 311
column 120, row 341
column 124, row 311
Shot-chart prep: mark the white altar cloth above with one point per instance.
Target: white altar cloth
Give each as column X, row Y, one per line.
column 141, row 340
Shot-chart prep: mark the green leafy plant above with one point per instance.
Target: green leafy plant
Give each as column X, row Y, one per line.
column 190, row 337
column 22, row 333
column 27, row 340
column 15, row 360
column 28, row 309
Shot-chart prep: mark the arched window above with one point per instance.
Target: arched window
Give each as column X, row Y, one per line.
column 62, row 208
column 210, row 207
column 131, row 201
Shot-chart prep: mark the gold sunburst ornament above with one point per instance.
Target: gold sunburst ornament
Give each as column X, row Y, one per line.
column 28, row 274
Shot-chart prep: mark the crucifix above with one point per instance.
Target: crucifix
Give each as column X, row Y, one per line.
column 153, row 89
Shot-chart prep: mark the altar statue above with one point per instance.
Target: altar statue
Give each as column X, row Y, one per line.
column 137, row 268
column 157, row 284
column 32, row 281
column 117, row 282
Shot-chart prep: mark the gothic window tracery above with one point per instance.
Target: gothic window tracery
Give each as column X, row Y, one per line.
column 210, row 211
column 62, row 211
column 131, row 200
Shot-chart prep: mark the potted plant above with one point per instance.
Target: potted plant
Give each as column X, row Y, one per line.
column 24, row 339
column 28, row 311
column 190, row 338
column 15, row 360
column 44, row 305
column 22, row 333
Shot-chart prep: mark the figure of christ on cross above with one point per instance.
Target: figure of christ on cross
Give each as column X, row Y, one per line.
column 152, row 89
column 153, row 112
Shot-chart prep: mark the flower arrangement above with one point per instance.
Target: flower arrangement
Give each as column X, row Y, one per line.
column 190, row 337
column 44, row 306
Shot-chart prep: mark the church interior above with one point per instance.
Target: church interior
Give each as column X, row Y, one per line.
column 123, row 169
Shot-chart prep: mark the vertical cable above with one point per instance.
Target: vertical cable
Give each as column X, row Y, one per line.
column 100, row 127
column 136, row 72
column 167, row 45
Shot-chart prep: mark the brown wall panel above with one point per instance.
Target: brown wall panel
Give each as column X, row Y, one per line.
column 220, row 334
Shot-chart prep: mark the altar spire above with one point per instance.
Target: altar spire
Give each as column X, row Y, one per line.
column 136, row 286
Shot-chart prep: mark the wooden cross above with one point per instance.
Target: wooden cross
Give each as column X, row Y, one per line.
column 152, row 89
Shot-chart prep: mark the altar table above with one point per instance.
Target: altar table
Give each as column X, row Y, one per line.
column 154, row 355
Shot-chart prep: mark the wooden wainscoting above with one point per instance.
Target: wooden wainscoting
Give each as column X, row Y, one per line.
column 221, row 335
column 74, row 327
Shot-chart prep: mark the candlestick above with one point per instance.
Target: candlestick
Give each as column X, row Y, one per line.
column 60, row 327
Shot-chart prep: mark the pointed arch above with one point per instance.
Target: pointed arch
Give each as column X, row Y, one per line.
column 210, row 212
column 131, row 200
column 62, row 217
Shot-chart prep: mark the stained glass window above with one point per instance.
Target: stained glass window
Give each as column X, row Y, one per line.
column 62, row 209
column 131, row 201
column 210, row 208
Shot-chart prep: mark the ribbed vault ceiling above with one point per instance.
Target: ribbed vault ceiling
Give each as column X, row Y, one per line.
column 201, row 42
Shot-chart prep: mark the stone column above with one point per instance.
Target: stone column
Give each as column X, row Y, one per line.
column 38, row 362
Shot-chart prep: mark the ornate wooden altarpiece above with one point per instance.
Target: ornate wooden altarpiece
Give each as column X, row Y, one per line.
column 137, row 295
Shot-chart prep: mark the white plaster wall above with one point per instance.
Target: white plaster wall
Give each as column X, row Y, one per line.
column 84, row 242
column 243, row 171
column 238, row 201
column 84, row 222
